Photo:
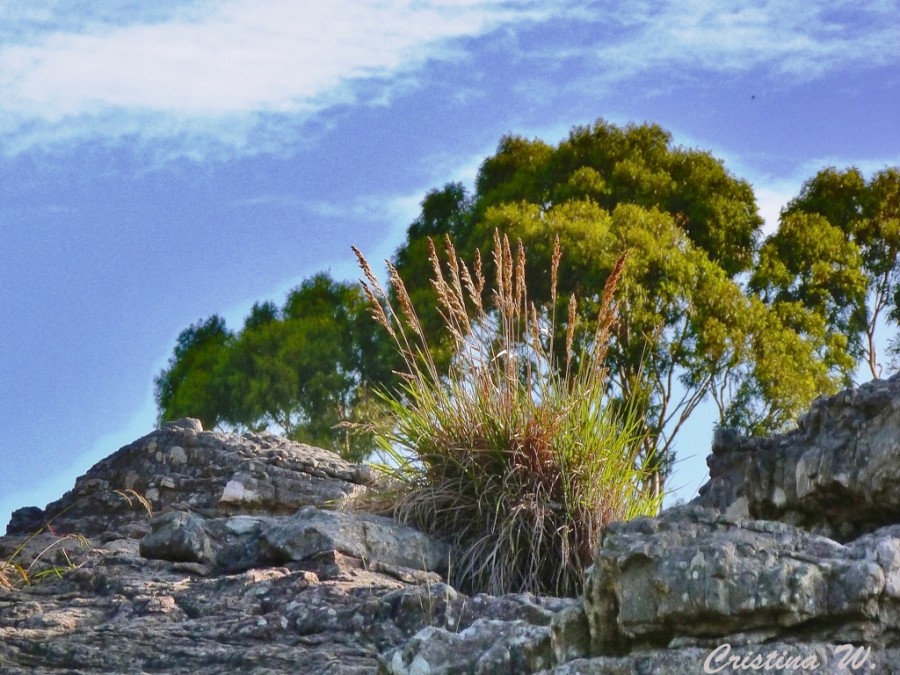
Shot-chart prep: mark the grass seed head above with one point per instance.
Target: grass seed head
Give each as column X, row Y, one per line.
column 518, row 464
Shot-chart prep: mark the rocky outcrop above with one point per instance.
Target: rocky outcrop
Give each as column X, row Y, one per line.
column 238, row 543
column 200, row 552
column 837, row 474
column 182, row 467
column 744, row 578
column 694, row 579
column 789, row 560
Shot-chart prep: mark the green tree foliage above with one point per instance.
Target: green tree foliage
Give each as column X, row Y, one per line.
column 190, row 385
column 307, row 369
column 706, row 310
column 687, row 330
column 836, row 253
column 609, row 165
column 445, row 212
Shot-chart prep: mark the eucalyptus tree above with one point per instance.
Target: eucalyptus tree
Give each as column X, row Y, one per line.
column 307, row 370
column 190, row 386
column 837, row 253
column 686, row 330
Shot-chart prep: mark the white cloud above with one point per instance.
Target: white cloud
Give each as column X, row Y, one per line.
column 218, row 64
column 801, row 40
column 203, row 76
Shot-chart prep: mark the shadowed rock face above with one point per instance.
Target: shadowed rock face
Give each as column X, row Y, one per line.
column 248, row 564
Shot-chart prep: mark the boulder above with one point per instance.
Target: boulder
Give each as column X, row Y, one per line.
column 239, row 543
column 181, row 466
column 700, row 579
column 836, row 474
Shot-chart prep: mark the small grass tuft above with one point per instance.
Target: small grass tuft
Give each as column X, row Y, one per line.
column 15, row 574
column 131, row 496
column 517, row 460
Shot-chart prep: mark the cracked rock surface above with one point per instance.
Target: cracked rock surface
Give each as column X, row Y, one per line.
column 246, row 561
column 200, row 552
column 791, row 552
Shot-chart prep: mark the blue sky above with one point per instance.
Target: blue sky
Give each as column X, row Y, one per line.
column 161, row 162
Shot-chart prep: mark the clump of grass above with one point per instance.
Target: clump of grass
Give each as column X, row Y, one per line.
column 16, row 574
column 517, row 460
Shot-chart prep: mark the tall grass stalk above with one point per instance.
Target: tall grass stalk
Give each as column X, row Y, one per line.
column 517, row 460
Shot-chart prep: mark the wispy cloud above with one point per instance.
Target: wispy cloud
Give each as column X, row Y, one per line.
column 197, row 77
column 219, row 69
column 802, row 40
column 771, row 197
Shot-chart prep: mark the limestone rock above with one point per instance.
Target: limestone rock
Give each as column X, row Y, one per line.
column 837, row 474
column 699, row 578
column 508, row 634
column 487, row 646
column 180, row 466
column 262, row 578
column 239, row 543
column 789, row 560
column 122, row 613
column 178, row 536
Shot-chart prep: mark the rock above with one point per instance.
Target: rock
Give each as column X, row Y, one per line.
column 788, row 560
column 240, row 543
column 695, row 575
column 252, row 562
column 180, row 466
column 837, row 474
column 487, row 646
column 135, row 615
column 570, row 634
column 484, row 634
column 178, row 536
column 120, row 612
column 26, row 520
column 262, row 578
